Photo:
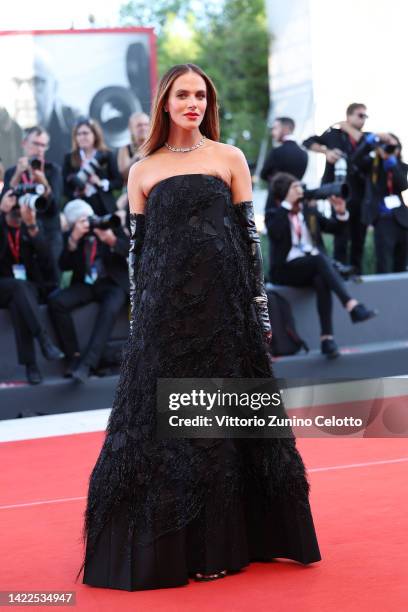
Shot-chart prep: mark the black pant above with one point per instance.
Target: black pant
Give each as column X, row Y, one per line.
column 390, row 240
column 21, row 298
column 355, row 234
column 55, row 244
column 316, row 271
column 111, row 299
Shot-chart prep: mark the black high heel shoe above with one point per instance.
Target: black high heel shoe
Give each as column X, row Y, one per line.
column 207, row 577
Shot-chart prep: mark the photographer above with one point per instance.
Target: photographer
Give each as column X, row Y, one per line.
column 379, row 158
column 97, row 259
column 300, row 259
column 24, row 266
column 90, row 170
column 33, row 173
column 338, row 144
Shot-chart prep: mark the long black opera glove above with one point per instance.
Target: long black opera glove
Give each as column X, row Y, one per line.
column 246, row 217
column 137, row 233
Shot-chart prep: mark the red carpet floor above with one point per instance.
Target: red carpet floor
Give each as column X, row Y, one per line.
column 360, row 508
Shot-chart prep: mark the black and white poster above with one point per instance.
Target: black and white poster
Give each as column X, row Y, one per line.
column 53, row 78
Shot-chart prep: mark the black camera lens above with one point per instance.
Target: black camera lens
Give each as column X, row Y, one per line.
column 106, row 222
column 35, row 163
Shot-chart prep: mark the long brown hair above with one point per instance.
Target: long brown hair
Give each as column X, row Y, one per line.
column 96, row 131
column 160, row 125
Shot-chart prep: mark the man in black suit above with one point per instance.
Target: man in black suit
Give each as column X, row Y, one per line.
column 300, row 259
column 24, row 272
column 33, row 168
column 97, row 259
column 338, row 145
column 285, row 156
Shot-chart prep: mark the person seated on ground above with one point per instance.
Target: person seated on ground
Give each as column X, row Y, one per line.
column 25, row 271
column 299, row 257
column 97, row 259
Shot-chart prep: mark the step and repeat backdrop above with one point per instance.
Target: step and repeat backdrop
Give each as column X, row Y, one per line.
column 53, row 78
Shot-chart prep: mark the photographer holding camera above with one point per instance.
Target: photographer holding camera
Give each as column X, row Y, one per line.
column 24, row 268
column 90, row 170
column 34, row 175
column 95, row 250
column 300, row 260
column 379, row 158
column 338, row 144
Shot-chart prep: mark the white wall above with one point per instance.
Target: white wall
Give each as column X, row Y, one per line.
column 326, row 54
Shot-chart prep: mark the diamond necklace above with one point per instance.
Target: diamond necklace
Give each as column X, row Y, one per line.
column 185, row 149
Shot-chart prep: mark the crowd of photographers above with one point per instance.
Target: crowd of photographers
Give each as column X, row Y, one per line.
column 64, row 235
column 364, row 178
column 64, row 242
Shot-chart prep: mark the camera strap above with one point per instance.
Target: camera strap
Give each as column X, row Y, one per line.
column 90, row 252
column 352, row 142
column 390, row 182
column 14, row 245
column 25, row 178
column 296, row 225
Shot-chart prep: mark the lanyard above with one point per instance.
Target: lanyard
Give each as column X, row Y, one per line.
column 296, row 225
column 353, row 142
column 92, row 254
column 390, row 182
column 25, row 177
column 14, row 245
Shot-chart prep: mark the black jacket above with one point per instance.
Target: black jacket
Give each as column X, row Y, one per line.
column 334, row 138
column 114, row 260
column 376, row 185
column 288, row 157
column 34, row 255
column 279, row 232
column 102, row 202
column 50, row 217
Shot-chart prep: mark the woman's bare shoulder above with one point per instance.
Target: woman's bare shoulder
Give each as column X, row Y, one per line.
column 147, row 171
column 228, row 151
column 139, row 169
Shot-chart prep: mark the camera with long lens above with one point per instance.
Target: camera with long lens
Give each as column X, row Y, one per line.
column 338, row 189
column 32, row 195
column 385, row 146
column 389, row 148
column 105, row 222
column 80, row 178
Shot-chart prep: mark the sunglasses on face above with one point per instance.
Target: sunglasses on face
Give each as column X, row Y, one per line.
column 40, row 145
column 362, row 115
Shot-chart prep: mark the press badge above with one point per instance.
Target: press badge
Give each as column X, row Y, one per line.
column 92, row 276
column 392, row 201
column 19, row 272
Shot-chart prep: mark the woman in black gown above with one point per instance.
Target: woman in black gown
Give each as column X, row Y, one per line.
column 160, row 511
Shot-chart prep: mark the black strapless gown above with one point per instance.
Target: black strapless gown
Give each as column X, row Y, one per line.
column 160, row 510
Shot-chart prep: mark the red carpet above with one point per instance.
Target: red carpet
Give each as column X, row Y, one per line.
column 360, row 514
